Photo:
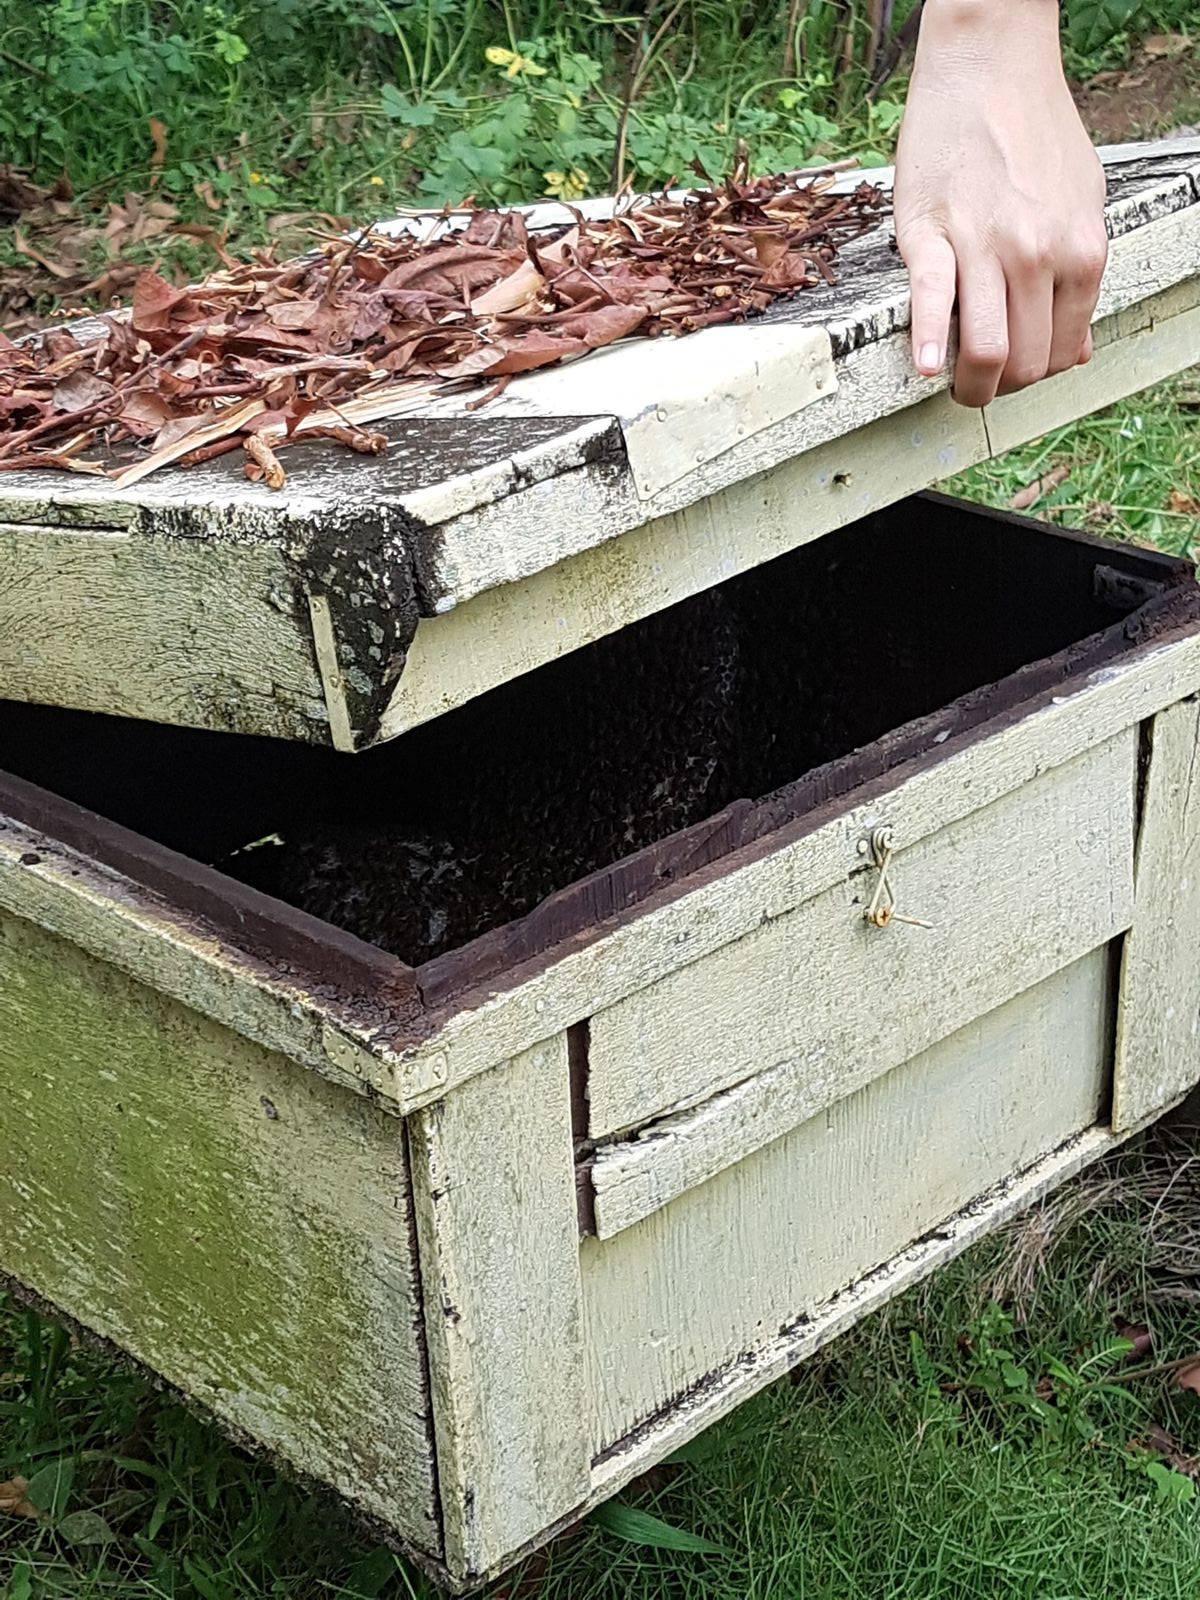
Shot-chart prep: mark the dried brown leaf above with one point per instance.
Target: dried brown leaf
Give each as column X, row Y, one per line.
column 154, row 299
column 80, row 390
column 519, row 288
column 1166, row 45
column 1188, row 1377
column 158, row 136
column 1039, row 488
column 1140, row 1338
column 13, row 1500
column 259, row 455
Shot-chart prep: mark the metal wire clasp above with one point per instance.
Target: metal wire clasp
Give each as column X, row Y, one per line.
column 882, row 909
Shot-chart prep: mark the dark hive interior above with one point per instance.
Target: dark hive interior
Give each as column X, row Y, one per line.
column 461, row 826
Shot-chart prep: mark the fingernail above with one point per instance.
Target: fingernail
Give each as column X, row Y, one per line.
column 930, row 358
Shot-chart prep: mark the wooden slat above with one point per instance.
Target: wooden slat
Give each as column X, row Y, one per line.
column 735, row 1383
column 684, row 923
column 466, row 506
column 494, row 1181
column 237, row 1223
column 504, row 632
column 1014, row 891
column 1158, row 1031
column 705, row 1286
column 155, row 628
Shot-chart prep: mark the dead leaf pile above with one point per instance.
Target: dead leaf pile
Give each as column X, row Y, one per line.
column 268, row 351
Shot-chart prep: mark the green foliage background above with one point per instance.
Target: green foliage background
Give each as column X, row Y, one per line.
column 292, row 103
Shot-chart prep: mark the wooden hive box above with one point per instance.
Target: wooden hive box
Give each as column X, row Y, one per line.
column 473, row 1121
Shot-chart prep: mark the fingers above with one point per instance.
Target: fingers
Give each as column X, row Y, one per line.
column 1031, row 310
column 932, row 273
column 1023, row 314
column 982, row 328
column 1074, row 301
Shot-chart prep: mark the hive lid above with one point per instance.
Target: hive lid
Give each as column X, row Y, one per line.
column 371, row 594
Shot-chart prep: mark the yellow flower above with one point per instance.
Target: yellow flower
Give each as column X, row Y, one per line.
column 567, row 185
column 514, row 64
column 256, row 177
column 376, row 180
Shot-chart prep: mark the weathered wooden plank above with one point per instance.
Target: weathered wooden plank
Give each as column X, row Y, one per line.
column 707, row 1282
column 1158, row 1026
column 463, row 506
column 736, row 1382
column 494, row 1181
column 727, row 901
column 886, row 383
column 550, row 607
column 235, row 1222
column 1014, row 891
column 172, row 629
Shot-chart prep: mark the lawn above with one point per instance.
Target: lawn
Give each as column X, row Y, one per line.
column 1022, row 1425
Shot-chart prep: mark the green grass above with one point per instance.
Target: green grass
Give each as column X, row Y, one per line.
column 978, row 1438
column 1125, row 464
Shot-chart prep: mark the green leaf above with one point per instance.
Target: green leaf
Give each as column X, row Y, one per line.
column 85, row 1527
column 640, row 1528
column 1169, row 1485
column 370, row 1575
column 1091, row 23
column 50, row 1487
column 20, row 1584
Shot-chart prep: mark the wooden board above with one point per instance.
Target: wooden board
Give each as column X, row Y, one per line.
column 369, row 1044
column 324, row 585
column 1013, row 891
column 697, row 1289
column 494, row 1178
column 727, row 901
column 503, row 632
column 1158, row 1034
column 233, row 1221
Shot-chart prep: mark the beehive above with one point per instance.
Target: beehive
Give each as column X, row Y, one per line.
column 733, row 923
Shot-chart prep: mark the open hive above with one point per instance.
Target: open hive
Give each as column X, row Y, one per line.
column 766, row 880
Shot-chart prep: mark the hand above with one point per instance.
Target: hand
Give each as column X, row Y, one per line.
column 999, row 196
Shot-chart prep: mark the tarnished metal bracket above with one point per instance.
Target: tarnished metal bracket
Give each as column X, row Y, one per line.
column 682, row 402
column 882, row 910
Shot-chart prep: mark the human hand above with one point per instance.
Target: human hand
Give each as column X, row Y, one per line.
column 999, row 197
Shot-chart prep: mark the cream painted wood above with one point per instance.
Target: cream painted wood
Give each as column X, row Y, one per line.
column 171, row 629
column 492, row 523
column 494, row 1181
column 134, row 931
column 723, row 1391
column 1158, row 1029
column 715, row 1275
column 477, row 555
column 850, row 1032
column 237, row 1223
column 548, row 610
column 139, row 934
column 1014, row 891
column 732, row 898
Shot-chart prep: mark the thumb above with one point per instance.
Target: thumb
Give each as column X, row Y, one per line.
column 933, row 272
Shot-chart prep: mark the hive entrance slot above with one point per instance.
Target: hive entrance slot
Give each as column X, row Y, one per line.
column 789, row 682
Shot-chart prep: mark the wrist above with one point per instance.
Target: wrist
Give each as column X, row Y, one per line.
column 1026, row 22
